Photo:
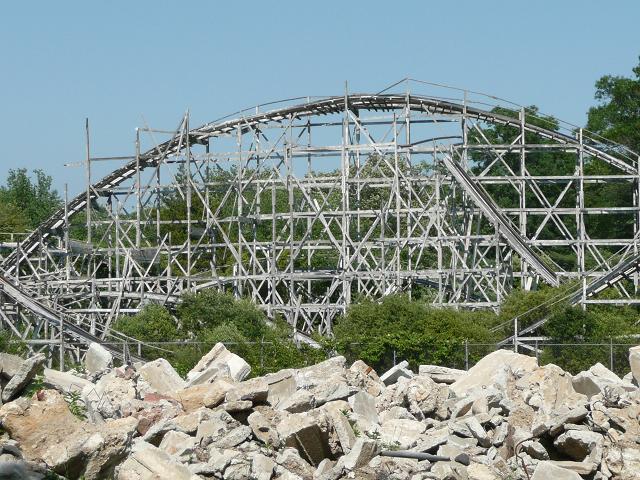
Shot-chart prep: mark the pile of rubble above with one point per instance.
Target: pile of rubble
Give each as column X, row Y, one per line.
column 504, row 418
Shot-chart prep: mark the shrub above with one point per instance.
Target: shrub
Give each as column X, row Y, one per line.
column 208, row 317
column 415, row 331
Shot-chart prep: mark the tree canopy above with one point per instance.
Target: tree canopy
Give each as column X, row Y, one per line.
column 617, row 116
column 26, row 202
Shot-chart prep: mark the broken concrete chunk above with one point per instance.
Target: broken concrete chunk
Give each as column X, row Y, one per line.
column 405, row 433
column 332, row 390
column 237, row 406
column 216, row 427
column 535, row 450
column 478, row 432
column 65, row 382
column 300, row 401
column 257, row 428
column 361, row 453
column 634, row 363
column 22, row 377
column 282, row 385
column 263, row 429
column 339, row 422
column 303, row 432
column 254, row 390
column 208, row 395
column 549, row 388
column 9, row 365
column 218, row 363
column 547, row 470
column 581, row 468
column 392, row 375
column 97, row 358
column 579, row 444
column 49, row 432
column 291, row 462
column 261, row 467
column 440, row 374
column 364, row 406
column 365, row 377
column 161, row 377
column 595, row 380
column 479, row 471
column 494, row 369
column 178, row 444
column 622, row 462
column 233, row 438
column 110, row 395
column 556, row 425
column 314, row 375
column 147, row 462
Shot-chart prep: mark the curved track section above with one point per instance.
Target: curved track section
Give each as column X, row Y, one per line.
column 322, row 107
column 304, row 207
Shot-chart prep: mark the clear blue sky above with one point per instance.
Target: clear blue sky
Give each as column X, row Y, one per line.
column 116, row 62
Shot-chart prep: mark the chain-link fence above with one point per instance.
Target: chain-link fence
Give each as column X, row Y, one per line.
column 266, row 357
column 573, row 357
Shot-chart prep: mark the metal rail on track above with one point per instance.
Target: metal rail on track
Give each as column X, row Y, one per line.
column 623, row 270
column 482, row 199
column 68, row 321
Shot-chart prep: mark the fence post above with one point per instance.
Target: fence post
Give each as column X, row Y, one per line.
column 61, row 343
column 262, row 352
column 394, row 357
column 537, row 352
column 611, row 354
column 466, row 354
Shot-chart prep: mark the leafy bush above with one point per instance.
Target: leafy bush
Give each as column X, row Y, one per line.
column 153, row 323
column 415, row 331
column 582, row 338
column 208, row 317
column 11, row 344
column 208, row 309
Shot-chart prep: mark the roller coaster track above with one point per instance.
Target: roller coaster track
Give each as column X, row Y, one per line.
column 492, row 212
column 330, row 105
column 59, row 316
column 623, row 270
column 326, row 106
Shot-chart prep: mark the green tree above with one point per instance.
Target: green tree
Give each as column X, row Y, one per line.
column 580, row 338
column 12, row 219
column 209, row 309
column 373, row 331
column 153, row 323
column 617, row 117
column 35, row 200
column 208, row 317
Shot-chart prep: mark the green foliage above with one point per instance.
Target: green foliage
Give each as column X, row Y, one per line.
column 417, row 332
column 581, row 338
column 530, row 306
column 208, row 317
column 209, row 309
column 32, row 200
column 617, row 117
column 11, row 344
column 153, row 323
column 76, row 407
column 34, row 386
column 12, row 220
